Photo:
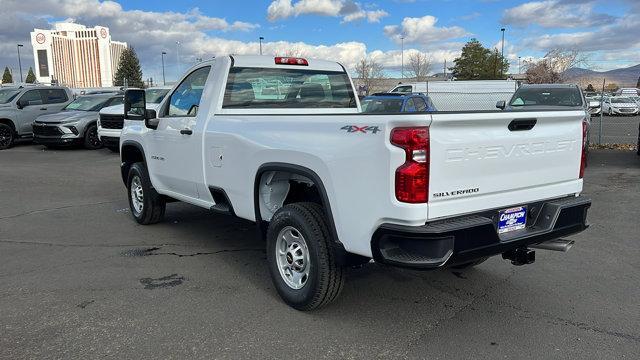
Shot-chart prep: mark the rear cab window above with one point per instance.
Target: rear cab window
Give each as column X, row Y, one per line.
column 273, row 88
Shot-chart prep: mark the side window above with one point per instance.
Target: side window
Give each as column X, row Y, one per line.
column 402, row 89
column 421, row 105
column 31, row 97
column 185, row 100
column 115, row 101
column 410, row 106
column 53, row 96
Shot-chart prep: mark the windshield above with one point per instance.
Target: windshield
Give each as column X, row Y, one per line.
column 6, row 95
column 622, row 100
column 88, row 103
column 547, row 97
column 287, row 88
column 155, row 96
column 381, row 105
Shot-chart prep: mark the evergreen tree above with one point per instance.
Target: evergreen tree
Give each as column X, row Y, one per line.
column 129, row 69
column 31, row 77
column 479, row 63
column 590, row 88
column 6, row 77
column 638, row 86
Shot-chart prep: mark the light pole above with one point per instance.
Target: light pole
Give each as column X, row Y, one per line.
column 502, row 53
column 402, row 56
column 164, row 82
column 19, row 62
column 519, row 57
column 178, row 57
column 261, row 38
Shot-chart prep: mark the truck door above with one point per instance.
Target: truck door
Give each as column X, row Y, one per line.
column 176, row 145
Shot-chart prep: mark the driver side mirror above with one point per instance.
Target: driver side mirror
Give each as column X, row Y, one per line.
column 501, row 104
column 135, row 108
column 20, row 104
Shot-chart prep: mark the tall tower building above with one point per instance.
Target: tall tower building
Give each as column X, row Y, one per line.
column 76, row 56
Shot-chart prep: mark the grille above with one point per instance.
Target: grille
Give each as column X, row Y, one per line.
column 628, row 110
column 111, row 121
column 47, row 130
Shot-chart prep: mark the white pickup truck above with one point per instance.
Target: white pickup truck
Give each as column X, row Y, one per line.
column 281, row 142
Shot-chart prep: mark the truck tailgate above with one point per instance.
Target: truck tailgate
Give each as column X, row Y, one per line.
column 479, row 162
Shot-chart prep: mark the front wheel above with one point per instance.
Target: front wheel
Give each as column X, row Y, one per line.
column 91, row 139
column 147, row 206
column 6, row 136
column 301, row 257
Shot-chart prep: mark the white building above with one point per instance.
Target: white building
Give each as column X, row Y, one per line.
column 76, row 56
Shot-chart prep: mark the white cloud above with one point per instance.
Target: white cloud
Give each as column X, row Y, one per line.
column 422, row 30
column 347, row 9
column 555, row 14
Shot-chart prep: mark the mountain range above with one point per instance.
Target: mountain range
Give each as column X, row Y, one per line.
column 623, row 77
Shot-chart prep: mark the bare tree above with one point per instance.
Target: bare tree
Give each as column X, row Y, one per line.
column 419, row 65
column 552, row 68
column 370, row 73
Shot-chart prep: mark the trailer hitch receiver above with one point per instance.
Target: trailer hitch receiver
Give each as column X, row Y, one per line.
column 520, row 256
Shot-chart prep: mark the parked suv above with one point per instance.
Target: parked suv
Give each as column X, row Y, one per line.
column 20, row 106
column 76, row 123
column 112, row 117
column 397, row 102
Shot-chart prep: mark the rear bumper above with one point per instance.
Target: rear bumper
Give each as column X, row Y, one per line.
column 459, row 240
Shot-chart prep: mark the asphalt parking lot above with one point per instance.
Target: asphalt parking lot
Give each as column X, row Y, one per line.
column 80, row 279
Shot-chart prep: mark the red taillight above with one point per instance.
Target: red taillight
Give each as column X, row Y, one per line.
column 412, row 178
column 583, row 159
column 291, row 61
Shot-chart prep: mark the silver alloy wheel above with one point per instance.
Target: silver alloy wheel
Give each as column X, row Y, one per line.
column 137, row 195
column 292, row 257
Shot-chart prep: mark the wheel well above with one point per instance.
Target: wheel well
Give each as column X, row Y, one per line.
column 8, row 122
column 277, row 188
column 130, row 154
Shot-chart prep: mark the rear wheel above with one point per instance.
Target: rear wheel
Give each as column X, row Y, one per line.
column 301, row 258
column 6, row 136
column 147, row 206
column 91, row 139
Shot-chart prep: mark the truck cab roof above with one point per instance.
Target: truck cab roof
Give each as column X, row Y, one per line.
column 264, row 61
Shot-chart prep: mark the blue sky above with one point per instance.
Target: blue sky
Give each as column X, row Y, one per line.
column 346, row 30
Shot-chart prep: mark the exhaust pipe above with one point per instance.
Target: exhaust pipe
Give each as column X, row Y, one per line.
column 554, row 245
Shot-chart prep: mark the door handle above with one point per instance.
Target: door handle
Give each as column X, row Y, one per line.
column 186, row 132
column 522, row 124
column 43, row 108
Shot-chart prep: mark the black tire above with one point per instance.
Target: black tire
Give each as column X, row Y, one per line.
column 7, row 136
column 153, row 204
column 470, row 264
column 326, row 277
column 91, row 139
column 114, row 149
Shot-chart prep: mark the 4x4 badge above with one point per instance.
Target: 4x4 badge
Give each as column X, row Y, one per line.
column 361, row 129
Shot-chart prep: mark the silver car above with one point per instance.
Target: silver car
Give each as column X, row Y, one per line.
column 21, row 105
column 620, row 105
column 76, row 123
